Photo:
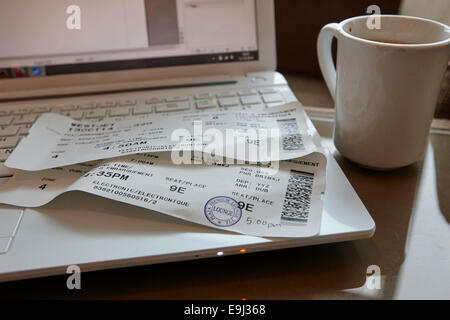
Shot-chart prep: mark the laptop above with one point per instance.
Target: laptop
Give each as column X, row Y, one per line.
column 107, row 59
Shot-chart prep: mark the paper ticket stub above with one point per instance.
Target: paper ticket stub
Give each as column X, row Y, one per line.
column 270, row 134
column 247, row 199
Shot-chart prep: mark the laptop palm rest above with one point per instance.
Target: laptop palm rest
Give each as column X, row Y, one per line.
column 9, row 223
column 96, row 233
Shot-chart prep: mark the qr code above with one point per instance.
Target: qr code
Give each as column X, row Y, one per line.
column 291, row 139
column 297, row 201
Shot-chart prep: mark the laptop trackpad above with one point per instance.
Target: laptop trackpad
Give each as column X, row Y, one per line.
column 9, row 223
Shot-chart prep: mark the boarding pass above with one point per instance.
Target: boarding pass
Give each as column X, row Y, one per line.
column 250, row 199
column 271, row 134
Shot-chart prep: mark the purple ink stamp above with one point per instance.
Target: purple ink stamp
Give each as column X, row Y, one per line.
column 222, row 211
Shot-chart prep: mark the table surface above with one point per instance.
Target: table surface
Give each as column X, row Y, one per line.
column 411, row 246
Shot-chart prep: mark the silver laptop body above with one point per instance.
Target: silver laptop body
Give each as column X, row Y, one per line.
column 111, row 58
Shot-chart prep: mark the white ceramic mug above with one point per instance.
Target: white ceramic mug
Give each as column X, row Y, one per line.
column 386, row 86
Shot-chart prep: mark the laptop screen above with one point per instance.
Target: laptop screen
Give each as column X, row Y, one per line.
column 54, row 37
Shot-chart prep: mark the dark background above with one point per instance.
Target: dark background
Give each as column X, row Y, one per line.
column 298, row 23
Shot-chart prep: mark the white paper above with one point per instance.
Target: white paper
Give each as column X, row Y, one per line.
column 55, row 140
column 247, row 199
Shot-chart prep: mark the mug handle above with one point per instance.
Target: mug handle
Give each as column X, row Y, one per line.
column 326, row 63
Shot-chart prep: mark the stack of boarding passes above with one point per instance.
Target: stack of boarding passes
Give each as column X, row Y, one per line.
column 255, row 172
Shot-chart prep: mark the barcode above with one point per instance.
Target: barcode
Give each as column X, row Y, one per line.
column 297, row 201
column 291, row 139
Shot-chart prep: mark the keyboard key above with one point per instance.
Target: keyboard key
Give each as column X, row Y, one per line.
column 173, row 106
column 177, row 98
column 56, row 109
column 8, row 142
column 142, row 110
column 68, row 107
column 20, row 111
column 250, row 100
column 76, row 115
column 287, row 95
column 107, row 104
column 229, row 102
column 205, row 95
column 267, row 90
column 273, row 97
column 95, row 114
column 4, row 154
column 247, row 92
column 23, row 129
column 41, row 109
column 5, row 113
column 119, row 112
column 127, row 102
column 4, row 121
column 8, row 131
column 226, row 94
column 153, row 100
column 85, row 106
column 25, row 118
column 274, row 104
column 206, row 103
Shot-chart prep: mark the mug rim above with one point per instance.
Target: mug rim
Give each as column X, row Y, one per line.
column 396, row 45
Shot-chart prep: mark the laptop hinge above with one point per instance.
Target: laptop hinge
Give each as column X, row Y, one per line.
column 117, row 88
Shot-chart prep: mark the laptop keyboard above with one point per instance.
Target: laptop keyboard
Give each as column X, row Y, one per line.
column 15, row 122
